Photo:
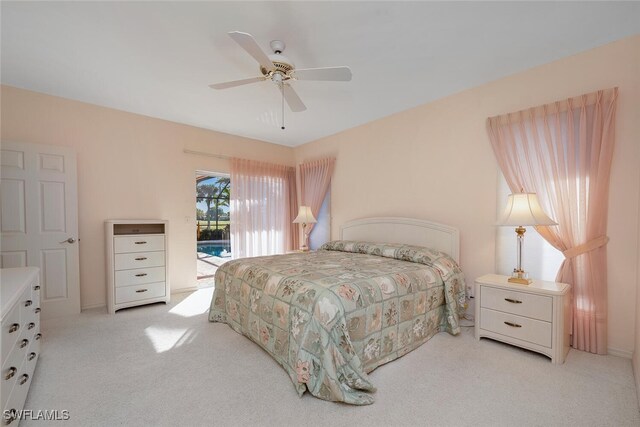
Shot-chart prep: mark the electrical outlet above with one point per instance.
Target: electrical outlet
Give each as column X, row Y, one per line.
column 470, row 291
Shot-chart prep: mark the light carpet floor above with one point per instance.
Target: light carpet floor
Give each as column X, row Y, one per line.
column 167, row 365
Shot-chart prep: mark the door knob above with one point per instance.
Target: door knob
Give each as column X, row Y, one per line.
column 69, row 240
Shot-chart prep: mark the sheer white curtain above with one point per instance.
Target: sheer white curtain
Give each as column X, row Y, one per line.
column 315, row 180
column 261, row 207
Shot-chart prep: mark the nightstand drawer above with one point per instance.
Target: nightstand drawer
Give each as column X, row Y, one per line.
column 520, row 303
column 522, row 328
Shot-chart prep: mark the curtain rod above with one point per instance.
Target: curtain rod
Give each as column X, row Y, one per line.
column 202, row 153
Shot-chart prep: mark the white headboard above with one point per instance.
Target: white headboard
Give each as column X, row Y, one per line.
column 405, row 231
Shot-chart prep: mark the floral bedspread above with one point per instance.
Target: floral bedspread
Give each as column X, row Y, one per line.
column 330, row 317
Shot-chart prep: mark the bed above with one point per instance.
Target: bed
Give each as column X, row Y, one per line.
column 331, row 316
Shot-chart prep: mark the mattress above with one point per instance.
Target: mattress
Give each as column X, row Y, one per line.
column 330, row 317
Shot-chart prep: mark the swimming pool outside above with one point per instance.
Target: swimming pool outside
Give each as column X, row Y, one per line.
column 221, row 249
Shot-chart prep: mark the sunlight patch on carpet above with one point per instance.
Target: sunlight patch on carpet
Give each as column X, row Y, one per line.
column 195, row 304
column 165, row 339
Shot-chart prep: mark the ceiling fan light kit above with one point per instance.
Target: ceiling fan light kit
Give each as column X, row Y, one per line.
column 281, row 71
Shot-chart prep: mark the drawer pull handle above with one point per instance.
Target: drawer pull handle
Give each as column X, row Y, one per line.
column 27, row 303
column 38, row 336
column 142, row 242
column 141, row 290
column 37, row 310
column 142, row 258
column 36, row 288
column 513, row 325
column 10, row 416
column 513, row 301
column 14, row 328
column 24, row 378
column 10, row 373
column 31, row 326
column 141, row 274
column 24, row 343
column 32, row 356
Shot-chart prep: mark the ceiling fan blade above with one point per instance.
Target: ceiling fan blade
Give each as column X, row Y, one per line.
column 338, row 74
column 248, row 43
column 234, row 83
column 293, row 100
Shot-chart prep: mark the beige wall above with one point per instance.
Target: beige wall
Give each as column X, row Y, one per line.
column 636, row 353
column 129, row 166
column 435, row 162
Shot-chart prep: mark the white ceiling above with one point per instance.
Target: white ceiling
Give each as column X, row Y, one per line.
column 158, row 59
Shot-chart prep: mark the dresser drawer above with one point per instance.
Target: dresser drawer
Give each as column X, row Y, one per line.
column 33, row 354
column 521, row 303
column 141, row 292
column 15, row 403
column 522, row 328
column 29, row 314
column 141, row 243
column 35, row 292
column 11, row 330
column 32, row 329
column 11, row 367
column 20, row 388
column 139, row 260
column 27, row 306
column 139, row 276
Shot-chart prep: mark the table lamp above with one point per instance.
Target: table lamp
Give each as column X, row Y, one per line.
column 304, row 217
column 523, row 209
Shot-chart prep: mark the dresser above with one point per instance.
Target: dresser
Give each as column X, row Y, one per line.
column 20, row 305
column 535, row 317
column 137, row 263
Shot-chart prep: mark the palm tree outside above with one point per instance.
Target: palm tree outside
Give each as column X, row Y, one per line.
column 212, row 204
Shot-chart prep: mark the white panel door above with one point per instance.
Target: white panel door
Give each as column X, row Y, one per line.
column 39, row 220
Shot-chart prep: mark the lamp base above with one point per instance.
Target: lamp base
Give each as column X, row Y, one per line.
column 519, row 280
column 520, row 277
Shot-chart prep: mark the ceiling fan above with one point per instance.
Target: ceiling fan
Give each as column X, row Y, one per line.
column 281, row 70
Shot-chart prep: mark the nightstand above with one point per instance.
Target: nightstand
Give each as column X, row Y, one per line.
column 298, row 251
column 535, row 317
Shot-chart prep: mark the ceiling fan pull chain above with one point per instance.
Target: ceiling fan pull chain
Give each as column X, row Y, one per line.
column 282, row 90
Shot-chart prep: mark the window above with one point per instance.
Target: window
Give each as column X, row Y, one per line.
column 321, row 232
column 212, row 224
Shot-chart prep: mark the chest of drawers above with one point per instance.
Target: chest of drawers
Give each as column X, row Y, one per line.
column 137, row 263
column 535, row 317
column 21, row 337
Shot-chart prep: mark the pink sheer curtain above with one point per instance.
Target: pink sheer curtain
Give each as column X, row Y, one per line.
column 563, row 152
column 293, row 231
column 261, row 208
column 315, row 178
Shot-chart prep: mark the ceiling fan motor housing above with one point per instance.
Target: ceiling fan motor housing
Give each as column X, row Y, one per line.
column 283, row 65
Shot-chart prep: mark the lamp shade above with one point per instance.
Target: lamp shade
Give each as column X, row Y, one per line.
column 524, row 209
column 305, row 216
